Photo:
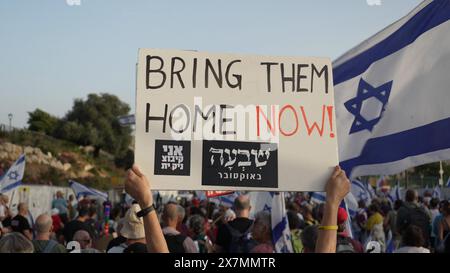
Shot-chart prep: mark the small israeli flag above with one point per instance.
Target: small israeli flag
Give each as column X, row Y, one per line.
column 13, row 177
column 81, row 190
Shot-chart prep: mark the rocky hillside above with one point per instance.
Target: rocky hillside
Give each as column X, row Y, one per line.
column 53, row 162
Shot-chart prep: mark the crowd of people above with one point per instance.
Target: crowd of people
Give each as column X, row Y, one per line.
column 415, row 225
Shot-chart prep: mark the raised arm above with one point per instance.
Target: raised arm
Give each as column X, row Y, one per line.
column 138, row 186
column 337, row 188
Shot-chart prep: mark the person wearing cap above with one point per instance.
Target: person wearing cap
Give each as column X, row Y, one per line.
column 345, row 244
column 132, row 230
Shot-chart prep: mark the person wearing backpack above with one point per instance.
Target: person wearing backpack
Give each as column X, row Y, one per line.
column 176, row 242
column 43, row 243
column 233, row 237
column 411, row 213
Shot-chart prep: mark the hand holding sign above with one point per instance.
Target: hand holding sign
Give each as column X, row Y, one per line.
column 338, row 186
column 138, row 186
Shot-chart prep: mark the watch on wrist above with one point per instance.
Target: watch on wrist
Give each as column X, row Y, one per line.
column 145, row 211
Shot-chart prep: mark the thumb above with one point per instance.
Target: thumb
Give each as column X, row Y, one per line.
column 137, row 170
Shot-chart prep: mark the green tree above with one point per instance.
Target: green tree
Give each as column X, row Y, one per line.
column 95, row 122
column 42, row 121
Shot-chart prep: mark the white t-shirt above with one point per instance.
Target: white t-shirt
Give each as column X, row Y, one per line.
column 412, row 249
column 118, row 249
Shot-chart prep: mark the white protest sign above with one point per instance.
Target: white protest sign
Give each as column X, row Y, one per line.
column 232, row 122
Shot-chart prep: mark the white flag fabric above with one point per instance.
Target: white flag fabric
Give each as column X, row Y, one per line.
column 13, row 177
column 361, row 192
column 436, row 192
column 81, row 191
column 260, row 201
column 395, row 194
column 392, row 95
column 281, row 234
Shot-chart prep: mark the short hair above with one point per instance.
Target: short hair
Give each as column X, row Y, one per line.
column 15, row 242
column 434, row 202
column 241, row 202
column 170, row 211
column 181, row 211
column 411, row 195
column 43, row 223
column 264, row 219
column 413, row 236
column 197, row 224
column 309, row 237
column 82, row 211
column 293, row 220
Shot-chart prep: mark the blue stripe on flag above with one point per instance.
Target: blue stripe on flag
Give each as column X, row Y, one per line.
column 11, row 186
column 402, row 145
column 21, row 159
column 434, row 14
column 277, row 231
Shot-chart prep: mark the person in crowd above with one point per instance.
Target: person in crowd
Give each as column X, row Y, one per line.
column 197, row 230
column 444, row 228
column 119, row 239
column 72, row 207
column 345, row 244
column 308, row 216
column 374, row 225
column 181, row 226
column 296, row 226
column 132, row 230
column 4, row 209
column 15, row 242
column 262, row 233
column 60, row 203
column 85, row 241
column 436, row 223
column 176, row 242
column 93, row 223
column 138, row 187
column 412, row 241
column 231, row 235
column 434, row 210
column 43, row 242
column 309, row 238
column 78, row 224
column 411, row 213
column 20, row 223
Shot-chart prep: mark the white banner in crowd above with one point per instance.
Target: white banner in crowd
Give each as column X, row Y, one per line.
column 232, row 122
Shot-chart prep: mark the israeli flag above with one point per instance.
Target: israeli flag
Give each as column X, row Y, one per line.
column 436, row 192
column 281, row 234
column 395, row 194
column 260, row 201
column 81, row 190
column 392, row 95
column 13, row 177
column 318, row 197
column 361, row 192
column 225, row 200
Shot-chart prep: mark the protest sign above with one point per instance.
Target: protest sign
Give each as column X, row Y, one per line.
column 231, row 122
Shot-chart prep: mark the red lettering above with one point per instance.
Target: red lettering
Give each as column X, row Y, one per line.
column 310, row 129
column 296, row 120
column 269, row 125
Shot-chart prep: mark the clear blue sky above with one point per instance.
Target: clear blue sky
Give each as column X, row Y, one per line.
column 51, row 52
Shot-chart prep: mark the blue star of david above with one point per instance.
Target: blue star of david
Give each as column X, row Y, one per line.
column 267, row 208
column 362, row 195
column 13, row 175
column 366, row 91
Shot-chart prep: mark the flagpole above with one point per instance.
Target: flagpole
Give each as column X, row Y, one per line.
column 441, row 175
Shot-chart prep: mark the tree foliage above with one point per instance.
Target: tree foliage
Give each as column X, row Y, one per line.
column 42, row 121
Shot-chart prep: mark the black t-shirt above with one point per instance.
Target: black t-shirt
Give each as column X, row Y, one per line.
column 224, row 236
column 20, row 224
column 116, row 242
column 75, row 225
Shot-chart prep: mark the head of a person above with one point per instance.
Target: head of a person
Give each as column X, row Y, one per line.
column 411, row 196
column 83, row 238
column 309, row 238
column 92, row 212
column 43, row 224
column 434, row 203
column 373, row 208
column 170, row 215
column 242, row 206
column 15, row 242
column 22, row 208
column 342, row 219
column 59, row 194
column 442, row 205
column 71, row 197
column 307, row 211
column 181, row 212
column 133, row 226
column 446, row 209
column 196, row 224
column 83, row 213
column 294, row 220
column 413, row 236
column 262, row 228
column 397, row 204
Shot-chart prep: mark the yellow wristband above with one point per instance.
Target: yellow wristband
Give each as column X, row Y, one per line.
column 328, row 227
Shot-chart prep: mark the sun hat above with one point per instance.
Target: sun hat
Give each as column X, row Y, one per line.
column 133, row 227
